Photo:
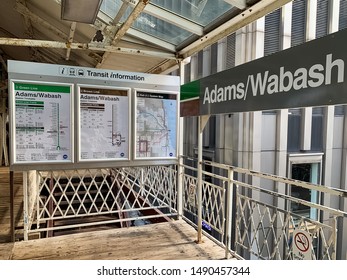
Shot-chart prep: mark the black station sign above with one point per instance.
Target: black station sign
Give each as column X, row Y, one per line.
column 311, row 74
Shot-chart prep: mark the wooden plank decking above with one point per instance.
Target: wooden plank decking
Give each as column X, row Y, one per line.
column 5, row 214
column 164, row 241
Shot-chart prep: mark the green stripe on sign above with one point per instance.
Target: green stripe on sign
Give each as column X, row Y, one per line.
column 190, row 90
column 29, row 102
column 44, row 88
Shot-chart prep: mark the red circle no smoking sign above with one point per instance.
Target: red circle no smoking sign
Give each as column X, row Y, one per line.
column 301, row 242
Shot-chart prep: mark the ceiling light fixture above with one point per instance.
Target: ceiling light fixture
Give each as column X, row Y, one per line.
column 84, row 11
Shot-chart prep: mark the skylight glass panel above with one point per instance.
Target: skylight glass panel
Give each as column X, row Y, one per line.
column 202, row 12
column 158, row 28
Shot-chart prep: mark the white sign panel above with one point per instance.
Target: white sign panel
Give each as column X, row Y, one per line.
column 302, row 245
column 104, row 123
column 156, row 125
column 42, row 119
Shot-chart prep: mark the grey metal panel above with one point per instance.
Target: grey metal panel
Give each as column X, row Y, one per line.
column 228, row 156
column 267, row 166
column 336, row 169
column 219, row 155
column 268, row 135
column 268, row 162
column 338, row 132
column 229, row 131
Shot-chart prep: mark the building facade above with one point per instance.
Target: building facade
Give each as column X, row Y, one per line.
column 307, row 144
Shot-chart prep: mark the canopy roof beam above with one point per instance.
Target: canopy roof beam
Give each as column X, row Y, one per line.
column 138, row 9
column 70, row 40
column 83, row 46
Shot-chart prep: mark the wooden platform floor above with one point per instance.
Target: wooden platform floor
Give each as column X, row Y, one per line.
column 5, row 232
column 164, row 241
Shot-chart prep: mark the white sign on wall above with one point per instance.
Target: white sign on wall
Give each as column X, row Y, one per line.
column 156, row 125
column 302, row 245
column 67, row 117
column 42, row 122
column 104, row 123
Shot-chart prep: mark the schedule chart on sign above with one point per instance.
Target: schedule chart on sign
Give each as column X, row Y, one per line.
column 42, row 122
column 104, row 124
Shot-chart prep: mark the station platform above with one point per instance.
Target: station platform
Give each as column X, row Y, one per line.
column 174, row 240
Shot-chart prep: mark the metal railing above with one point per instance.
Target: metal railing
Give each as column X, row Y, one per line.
column 249, row 213
column 94, row 197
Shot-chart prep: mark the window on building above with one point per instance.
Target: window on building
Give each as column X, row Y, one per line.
column 317, row 129
column 231, row 50
column 200, row 64
column 307, row 172
column 187, row 68
column 343, row 14
column 214, row 53
column 298, row 22
column 339, row 110
column 294, row 130
column 306, row 168
column 322, row 18
column 272, row 32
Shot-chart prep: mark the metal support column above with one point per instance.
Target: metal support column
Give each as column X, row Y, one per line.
column 202, row 121
column 12, row 207
column 25, row 205
column 229, row 212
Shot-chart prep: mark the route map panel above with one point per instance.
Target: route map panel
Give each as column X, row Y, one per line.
column 42, row 122
column 156, row 125
column 104, row 123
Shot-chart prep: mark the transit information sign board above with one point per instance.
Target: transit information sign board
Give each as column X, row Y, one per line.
column 42, row 118
column 156, row 125
column 104, row 123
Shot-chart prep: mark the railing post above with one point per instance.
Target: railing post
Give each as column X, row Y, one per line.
column 142, row 193
column 180, row 168
column 334, row 233
column 25, row 206
column 229, row 203
column 199, row 190
column 170, row 186
column 180, row 176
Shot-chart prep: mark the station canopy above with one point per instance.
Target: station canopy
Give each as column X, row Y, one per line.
column 150, row 36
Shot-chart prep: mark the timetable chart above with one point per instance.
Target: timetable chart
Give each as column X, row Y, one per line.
column 42, row 122
column 104, row 123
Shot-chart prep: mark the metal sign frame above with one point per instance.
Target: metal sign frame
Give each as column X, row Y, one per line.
column 31, row 101
column 41, row 73
column 158, row 94
column 128, row 122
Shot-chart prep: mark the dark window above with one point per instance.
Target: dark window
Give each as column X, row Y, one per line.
column 339, row 110
column 343, row 14
column 200, row 63
column 272, row 32
column 231, row 49
column 301, row 172
column 298, row 22
column 294, row 130
column 187, row 68
column 322, row 18
column 317, row 129
column 214, row 53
